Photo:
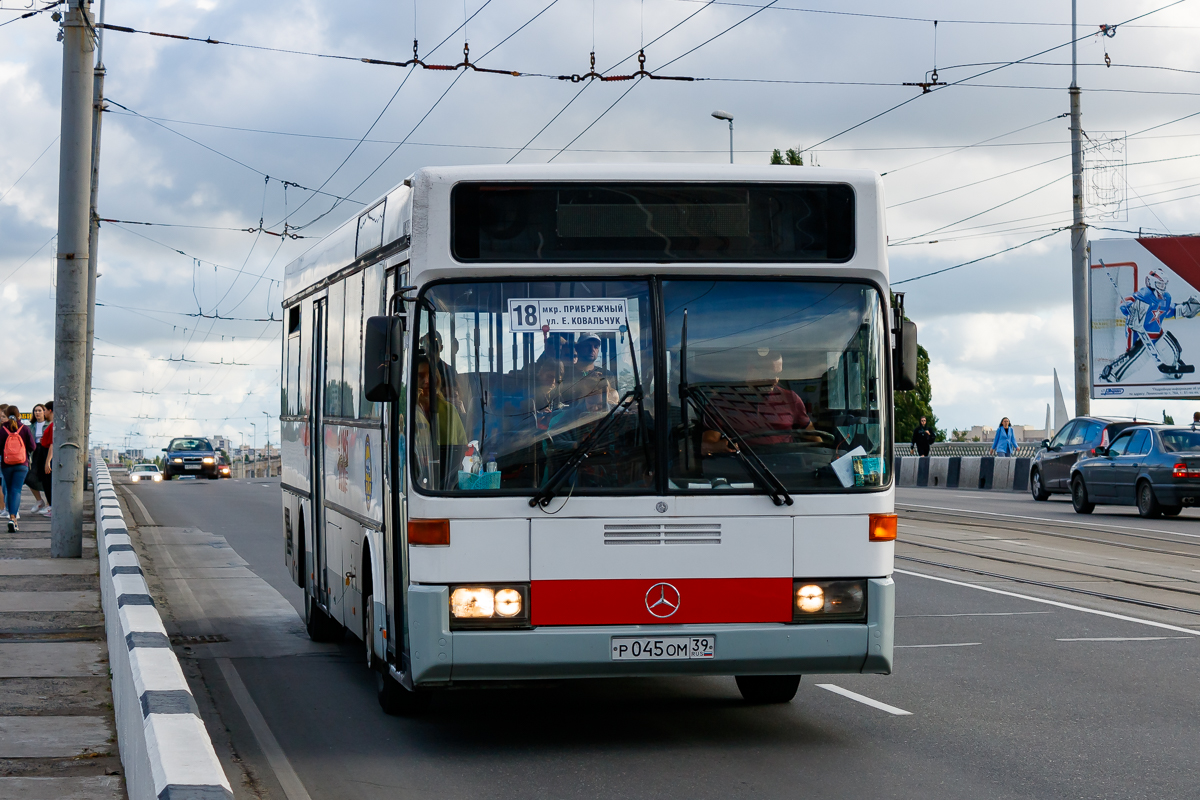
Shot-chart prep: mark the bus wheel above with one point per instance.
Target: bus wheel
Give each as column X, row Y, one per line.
column 321, row 627
column 368, row 630
column 768, row 688
column 394, row 699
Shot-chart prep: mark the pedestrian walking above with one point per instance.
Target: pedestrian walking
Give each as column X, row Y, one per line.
column 46, row 468
column 923, row 437
column 1005, row 443
column 33, row 479
column 16, row 446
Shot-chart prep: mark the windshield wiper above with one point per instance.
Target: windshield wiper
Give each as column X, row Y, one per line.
column 580, row 453
column 758, row 470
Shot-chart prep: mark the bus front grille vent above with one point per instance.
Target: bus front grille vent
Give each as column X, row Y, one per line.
column 663, row 533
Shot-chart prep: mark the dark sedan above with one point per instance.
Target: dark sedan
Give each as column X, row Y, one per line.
column 1050, row 472
column 190, row 456
column 1156, row 468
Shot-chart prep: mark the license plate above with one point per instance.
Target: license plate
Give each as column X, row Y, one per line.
column 665, row 648
column 191, row 466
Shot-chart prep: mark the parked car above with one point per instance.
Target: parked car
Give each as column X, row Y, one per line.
column 1156, row 468
column 1050, row 471
column 145, row 472
column 190, row 455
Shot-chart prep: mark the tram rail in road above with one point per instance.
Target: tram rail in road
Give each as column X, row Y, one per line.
column 1112, row 555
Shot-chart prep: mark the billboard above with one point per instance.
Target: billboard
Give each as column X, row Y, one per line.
column 1145, row 317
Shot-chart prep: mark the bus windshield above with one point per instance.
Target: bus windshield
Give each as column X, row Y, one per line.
column 790, row 371
column 517, row 375
column 513, row 379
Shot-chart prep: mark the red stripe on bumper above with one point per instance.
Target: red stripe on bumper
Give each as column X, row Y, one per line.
column 627, row 602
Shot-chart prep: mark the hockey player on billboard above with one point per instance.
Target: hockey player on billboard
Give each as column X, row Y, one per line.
column 1145, row 311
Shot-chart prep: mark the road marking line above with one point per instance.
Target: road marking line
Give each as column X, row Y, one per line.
column 141, row 507
column 967, row 512
column 1122, row 638
column 1067, row 606
column 289, row 781
column 977, row 614
column 959, row 644
column 867, row 701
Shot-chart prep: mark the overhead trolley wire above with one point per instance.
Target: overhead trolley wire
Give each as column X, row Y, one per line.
column 189, row 255
column 981, row 258
column 1004, row 65
column 29, row 14
column 924, row 19
column 222, row 155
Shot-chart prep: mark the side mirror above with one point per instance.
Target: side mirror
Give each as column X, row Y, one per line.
column 164, row 449
column 1100, row 451
column 1046, row 443
column 904, row 358
column 383, row 365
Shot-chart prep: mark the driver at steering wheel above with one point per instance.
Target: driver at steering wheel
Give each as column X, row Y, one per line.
column 762, row 406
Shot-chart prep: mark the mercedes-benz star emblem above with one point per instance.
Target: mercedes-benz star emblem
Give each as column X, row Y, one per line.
column 662, row 600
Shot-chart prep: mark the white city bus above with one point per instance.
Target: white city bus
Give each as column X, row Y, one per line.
column 583, row 421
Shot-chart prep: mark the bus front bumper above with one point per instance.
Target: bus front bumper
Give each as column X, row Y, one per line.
column 438, row 656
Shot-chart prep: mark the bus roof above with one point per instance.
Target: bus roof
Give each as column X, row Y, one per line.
column 378, row 229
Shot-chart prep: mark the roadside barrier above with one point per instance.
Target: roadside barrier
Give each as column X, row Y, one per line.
column 165, row 749
column 964, row 472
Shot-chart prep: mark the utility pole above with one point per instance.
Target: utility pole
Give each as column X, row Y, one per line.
column 93, row 231
column 70, row 323
column 1079, row 256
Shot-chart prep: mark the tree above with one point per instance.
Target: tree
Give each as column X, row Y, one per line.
column 792, row 157
column 911, row 406
column 1167, row 418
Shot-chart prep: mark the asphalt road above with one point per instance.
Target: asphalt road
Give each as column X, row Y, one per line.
column 1009, row 696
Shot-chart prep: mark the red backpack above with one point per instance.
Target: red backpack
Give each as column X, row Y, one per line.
column 14, row 448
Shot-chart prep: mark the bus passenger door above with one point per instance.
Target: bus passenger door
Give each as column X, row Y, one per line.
column 317, row 577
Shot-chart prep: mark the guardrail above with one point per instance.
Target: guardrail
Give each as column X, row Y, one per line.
column 1024, row 449
column 964, row 472
column 164, row 746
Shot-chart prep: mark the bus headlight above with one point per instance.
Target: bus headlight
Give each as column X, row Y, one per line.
column 829, row 601
column 489, row 607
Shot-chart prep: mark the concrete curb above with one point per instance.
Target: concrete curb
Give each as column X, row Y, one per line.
column 986, row 473
column 165, row 748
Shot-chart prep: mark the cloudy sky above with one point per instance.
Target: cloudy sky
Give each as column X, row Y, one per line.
column 970, row 169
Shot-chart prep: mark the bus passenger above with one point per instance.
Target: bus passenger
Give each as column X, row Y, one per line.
column 590, row 384
column 762, row 405
column 449, row 422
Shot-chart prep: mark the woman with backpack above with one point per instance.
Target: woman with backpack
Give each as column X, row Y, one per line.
column 16, row 446
column 34, row 478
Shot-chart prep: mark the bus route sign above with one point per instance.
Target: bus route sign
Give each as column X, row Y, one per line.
column 567, row 315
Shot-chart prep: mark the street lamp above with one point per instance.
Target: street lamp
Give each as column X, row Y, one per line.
column 268, row 445
column 254, row 447
column 725, row 115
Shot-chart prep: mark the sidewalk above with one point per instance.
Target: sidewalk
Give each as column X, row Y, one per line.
column 57, row 733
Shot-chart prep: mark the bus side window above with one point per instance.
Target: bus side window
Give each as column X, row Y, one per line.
column 291, row 388
column 305, row 381
column 352, row 353
column 374, row 300
column 335, row 314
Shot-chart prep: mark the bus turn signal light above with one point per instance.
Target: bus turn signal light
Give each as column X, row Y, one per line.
column 883, row 527
column 429, row 531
